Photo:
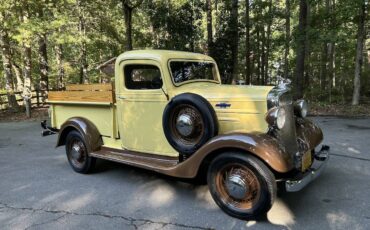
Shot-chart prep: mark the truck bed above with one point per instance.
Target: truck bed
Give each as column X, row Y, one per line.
column 95, row 102
column 91, row 93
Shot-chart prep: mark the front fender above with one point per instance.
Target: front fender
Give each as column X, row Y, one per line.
column 309, row 135
column 263, row 146
column 87, row 129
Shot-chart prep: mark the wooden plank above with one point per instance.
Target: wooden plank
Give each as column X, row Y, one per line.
column 82, row 96
column 5, row 94
column 89, row 87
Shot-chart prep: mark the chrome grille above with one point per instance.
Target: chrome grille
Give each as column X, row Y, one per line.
column 287, row 135
column 280, row 96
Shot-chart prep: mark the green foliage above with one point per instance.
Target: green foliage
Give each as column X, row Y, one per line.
column 181, row 25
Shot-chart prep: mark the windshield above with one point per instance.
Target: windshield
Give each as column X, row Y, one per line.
column 183, row 71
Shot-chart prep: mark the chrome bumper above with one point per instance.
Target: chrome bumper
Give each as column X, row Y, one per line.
column 321, row 160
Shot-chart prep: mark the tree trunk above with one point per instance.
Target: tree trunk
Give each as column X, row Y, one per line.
column 325, row 50
column 209, row 26
column 168, row 36
column 331, row 50
column 235, row 40
column 5, row 47
column 323, row 66
column 43, row 65
column 27, row 94
column 301, row 48
column 128, row 8
column 308, row 63
column 263, row 56
column 258, row 56
column 216, row 14
column 127, row 13
column 192, row 42
column 287, row 38
column 331, row 47
column 268, row 43
column 18, row 74
column 359, row 51
column 84, row 78
column 60, row 64
column 43, row 57
column 248, row 71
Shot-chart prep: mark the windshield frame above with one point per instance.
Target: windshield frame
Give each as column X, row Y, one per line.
column 217, row 76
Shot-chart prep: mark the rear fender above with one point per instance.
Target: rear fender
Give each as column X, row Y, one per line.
column 87, row 129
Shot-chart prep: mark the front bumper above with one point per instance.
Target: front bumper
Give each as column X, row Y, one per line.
column 320, row 161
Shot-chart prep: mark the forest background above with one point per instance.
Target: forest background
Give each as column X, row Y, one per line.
column 322, row 46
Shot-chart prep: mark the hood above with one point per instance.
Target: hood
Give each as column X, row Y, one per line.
column 218, row 92
column 239, row 108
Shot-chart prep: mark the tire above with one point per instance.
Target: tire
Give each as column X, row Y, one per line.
column 77, row 153
column 228, row 191
column 199, row 113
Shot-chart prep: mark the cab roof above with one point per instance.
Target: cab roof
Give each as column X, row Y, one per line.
column 162, row 55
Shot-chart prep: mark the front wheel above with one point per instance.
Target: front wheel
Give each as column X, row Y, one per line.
column 241, row 185
column 77, row 153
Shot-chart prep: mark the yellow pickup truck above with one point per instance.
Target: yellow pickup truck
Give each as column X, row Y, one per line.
column 169, row 112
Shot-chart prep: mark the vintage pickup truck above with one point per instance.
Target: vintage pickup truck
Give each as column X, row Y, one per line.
column 169, row 113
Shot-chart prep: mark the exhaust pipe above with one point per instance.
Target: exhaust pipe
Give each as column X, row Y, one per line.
column 47, row 129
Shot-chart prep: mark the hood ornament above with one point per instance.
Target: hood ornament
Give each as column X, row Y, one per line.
column 283, row 82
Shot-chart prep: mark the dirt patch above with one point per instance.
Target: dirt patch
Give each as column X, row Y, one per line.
column 340, row 110
column 37, row 114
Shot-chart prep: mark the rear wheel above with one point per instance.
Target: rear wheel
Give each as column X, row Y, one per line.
column 77, row 153
column 241, row 185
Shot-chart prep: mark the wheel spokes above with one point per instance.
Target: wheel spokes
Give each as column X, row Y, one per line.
column 238, row 186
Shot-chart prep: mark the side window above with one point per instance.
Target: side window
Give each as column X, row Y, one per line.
column 142, row 77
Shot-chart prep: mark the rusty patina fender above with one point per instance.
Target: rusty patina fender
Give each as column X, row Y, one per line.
column 264, row 146
column 87, row 129
column 309, row 133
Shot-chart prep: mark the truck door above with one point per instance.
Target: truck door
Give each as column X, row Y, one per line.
column 141, row 102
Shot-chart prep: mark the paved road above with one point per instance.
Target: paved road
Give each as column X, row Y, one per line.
column 38, row 190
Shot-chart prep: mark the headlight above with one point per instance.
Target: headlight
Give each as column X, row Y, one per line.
column 301, row 108
column 276, row 117
column 280, row 120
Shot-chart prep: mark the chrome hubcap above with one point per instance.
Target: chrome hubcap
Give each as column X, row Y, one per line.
column 236, row 186
column 76, row 151
column 184, row 125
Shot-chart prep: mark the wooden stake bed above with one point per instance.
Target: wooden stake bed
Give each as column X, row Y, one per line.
column 99, row 93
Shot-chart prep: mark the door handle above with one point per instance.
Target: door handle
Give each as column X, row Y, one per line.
column 121, row 97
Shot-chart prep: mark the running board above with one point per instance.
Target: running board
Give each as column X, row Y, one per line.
column 142, row 160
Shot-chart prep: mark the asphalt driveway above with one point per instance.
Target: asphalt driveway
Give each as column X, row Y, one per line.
column 38, row 189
